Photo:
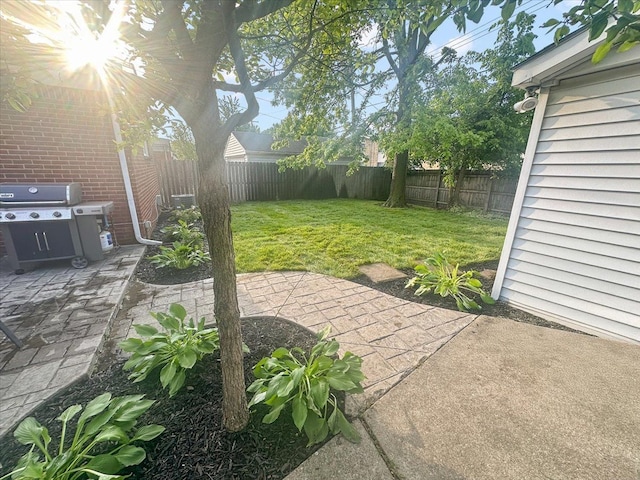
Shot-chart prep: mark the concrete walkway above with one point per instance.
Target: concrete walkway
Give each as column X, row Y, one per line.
column 502, row 400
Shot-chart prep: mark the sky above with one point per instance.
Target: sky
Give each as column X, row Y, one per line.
column 477, row 37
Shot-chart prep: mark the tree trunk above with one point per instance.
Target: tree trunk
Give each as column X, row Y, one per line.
column 454, row 196
column 397, row 195
column 214, row 202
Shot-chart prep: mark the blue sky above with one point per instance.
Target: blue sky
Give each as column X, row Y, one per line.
column 478, row 37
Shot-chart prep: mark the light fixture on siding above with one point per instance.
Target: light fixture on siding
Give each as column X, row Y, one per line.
column 529, row 103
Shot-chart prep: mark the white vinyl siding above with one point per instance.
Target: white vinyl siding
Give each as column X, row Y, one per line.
column 234, row 152
column 575, row 254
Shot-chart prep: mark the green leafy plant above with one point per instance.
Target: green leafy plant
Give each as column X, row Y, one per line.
column 177, row 350
column 289, row 377
column 181, row 256
column 187, row 215
column 185, row 233
column 446, row 280
column 102, row 445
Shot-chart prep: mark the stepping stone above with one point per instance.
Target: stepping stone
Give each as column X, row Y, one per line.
column 381, row 272
column 488, row 274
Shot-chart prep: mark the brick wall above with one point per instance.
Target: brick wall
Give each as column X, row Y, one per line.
column 66, row 136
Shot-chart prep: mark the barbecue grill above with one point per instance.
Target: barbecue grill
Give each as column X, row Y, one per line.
column 47, row 221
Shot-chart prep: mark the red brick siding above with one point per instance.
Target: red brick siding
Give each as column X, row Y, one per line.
column 144, row 180
column 66, row 136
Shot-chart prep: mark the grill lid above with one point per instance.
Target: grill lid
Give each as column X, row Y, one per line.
column 32, row 194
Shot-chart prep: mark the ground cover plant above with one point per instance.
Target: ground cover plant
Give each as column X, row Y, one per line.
column 101, row 444
column 437, row 275
column 335, row 237
column 195, row 444
column 177, row 349
column 290, row 378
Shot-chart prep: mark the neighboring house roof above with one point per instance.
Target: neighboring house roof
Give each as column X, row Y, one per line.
column 261, row 142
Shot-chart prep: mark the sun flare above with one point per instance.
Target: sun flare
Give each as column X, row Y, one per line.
column 60, row 29
column 84, row 47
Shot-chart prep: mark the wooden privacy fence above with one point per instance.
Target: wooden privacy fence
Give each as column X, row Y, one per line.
column 263, row 182
column 176, row 177
column 477, row 190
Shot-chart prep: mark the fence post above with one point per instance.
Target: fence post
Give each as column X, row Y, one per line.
column 438, row 189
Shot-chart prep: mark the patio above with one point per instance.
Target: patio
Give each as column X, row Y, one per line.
column 61, row 315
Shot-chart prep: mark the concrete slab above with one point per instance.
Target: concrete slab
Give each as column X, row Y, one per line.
column 381, row 272
column 512, row 401
column 340, row 459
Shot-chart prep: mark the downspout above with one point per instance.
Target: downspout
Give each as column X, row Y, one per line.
column 127, row 185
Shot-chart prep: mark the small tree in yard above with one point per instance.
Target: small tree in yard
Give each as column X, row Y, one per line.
column 186, row 50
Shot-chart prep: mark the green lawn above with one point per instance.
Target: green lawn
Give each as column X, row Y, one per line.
column 334, row 237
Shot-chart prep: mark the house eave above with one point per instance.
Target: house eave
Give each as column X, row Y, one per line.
column 544, row 68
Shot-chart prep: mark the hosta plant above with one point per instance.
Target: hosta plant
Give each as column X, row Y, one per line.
column 302, row 385
column 102, row 444
column 439, row 276
column 177, row 349
column 185, row 233
column 181, row 256
column 187, row 215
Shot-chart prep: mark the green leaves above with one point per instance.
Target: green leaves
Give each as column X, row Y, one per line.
column 99, row 449
column 289, row 378
column 184, row 233
column 180, row 256
column 445, row 280
column 176, row 350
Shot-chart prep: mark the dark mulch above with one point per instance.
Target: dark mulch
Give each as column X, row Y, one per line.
column 148, row 273
column 499, row 309
column 195, row 445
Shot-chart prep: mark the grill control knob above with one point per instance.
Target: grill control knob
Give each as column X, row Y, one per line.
column 34, row 215
column 10, row 216
column 57, row 214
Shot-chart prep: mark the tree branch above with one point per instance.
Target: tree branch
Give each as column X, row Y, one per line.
column 253, row 10
column 172, row 11
column 387, row 53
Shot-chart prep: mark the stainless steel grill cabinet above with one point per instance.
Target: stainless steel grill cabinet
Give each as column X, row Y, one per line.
column 41, row 222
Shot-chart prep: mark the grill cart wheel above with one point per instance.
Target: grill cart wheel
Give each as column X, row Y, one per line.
column 79, row 262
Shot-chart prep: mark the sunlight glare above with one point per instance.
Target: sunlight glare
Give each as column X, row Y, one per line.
column 84, row 47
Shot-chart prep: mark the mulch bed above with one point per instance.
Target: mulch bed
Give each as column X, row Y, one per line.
column 148, row 273
column 499, row 309
column 195, row 445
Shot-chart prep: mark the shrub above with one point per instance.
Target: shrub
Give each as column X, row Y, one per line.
column 187, row 215
column 181, row 256
column 446, row 280
column 177, row 350
column 185, row 233
column 288, row 377
column 103, row 443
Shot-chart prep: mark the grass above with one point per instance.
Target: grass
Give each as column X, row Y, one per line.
column 335, row 237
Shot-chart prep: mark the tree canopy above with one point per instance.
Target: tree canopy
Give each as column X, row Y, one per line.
column 468, row 122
